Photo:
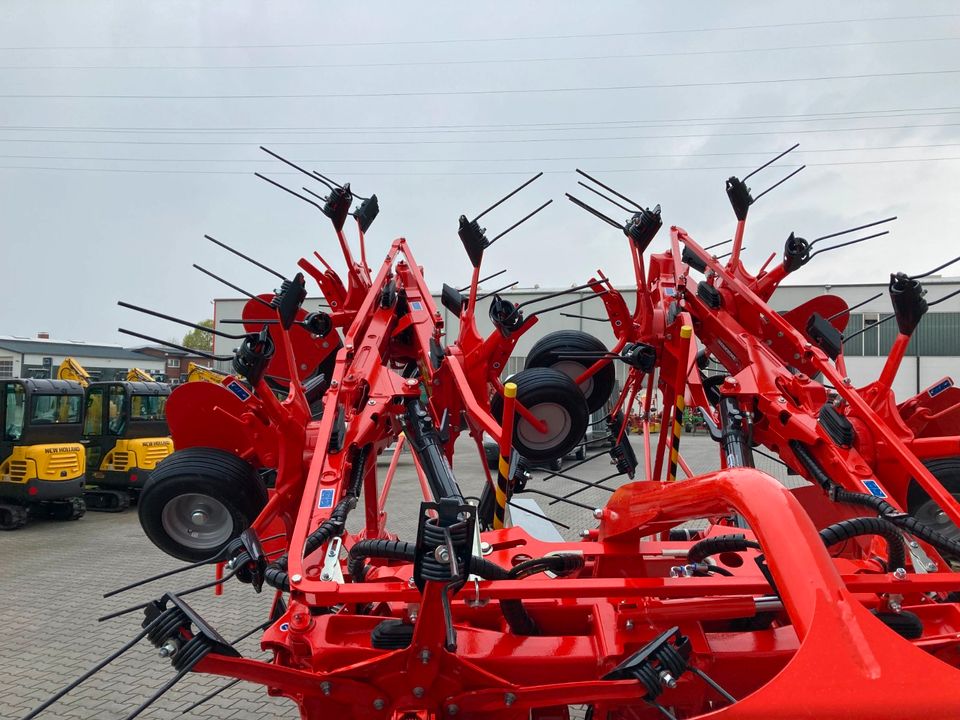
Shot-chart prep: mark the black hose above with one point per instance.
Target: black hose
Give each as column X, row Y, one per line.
column 903, row 521
column 559, row 564
column 907, row 522
column 276, row 575
column 855, row 527
column 716, row 544
column 514, row 613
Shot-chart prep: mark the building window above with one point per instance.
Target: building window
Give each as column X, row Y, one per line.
column 173, row 362
column 6, row 367
column 871, row 334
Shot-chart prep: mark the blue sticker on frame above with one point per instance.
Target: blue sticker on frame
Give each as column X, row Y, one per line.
column 874, row 488
column 239, row 390
column 326, row 498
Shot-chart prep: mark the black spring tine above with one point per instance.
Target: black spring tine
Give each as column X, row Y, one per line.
column 869, row 327
column 712, row 683
column 541, row 311
column 559, row 293
column 938, row 267
column 518, row 223
column 945, row 297
column 187, row 323
column 507, row 197
column 234, row 287
column 770, row 162
column 245, row 257
column 609, row 200
column 578, row 463
column 722, row 242
column 584, row 317
column 770, row 457
column 521, row 508
column 853, row 229
column 593, row 211
column 211, row 696
column 610, row 189
column 557, row 497
column 587, row 485
column 778, row 183
column 848, row 242
column 854, row 307
column 292, row 192
column 194, row 351
column 91, row 672
column 297, row 167
column 160, row 692
column 498, row 290
column 204, row 586
column 483, row 279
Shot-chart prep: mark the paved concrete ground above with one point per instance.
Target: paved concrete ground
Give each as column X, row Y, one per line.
column 52, row 576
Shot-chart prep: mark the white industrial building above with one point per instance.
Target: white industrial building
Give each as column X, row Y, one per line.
column 40, row 357
column 933, row 353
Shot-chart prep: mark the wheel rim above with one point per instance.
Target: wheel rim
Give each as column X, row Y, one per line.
column 930, row 514
column 558, row 422
column 573, row 370
column 197, row 521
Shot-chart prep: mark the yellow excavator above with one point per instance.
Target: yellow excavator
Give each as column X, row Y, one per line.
column 202, row 373
column 125, row 433
column 41, row 463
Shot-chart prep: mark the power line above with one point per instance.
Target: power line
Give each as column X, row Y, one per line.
column 519, row 127
column 485, row 61
column 521, row 38
column 761, row 153
column 501, row 91
column 474, row 141
column 477, row 172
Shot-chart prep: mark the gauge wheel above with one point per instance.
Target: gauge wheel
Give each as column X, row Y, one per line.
column 552, row 397
column 198, row 500
column 558, row 350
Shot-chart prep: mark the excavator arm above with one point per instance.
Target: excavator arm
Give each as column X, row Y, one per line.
column 201, row 373
column 70, row 369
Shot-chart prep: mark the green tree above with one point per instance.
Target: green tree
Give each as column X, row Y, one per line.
column 199, row 340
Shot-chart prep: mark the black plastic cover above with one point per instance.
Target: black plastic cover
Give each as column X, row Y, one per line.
column 689, row 257
column 643, row 227
column 837, row 427
column 909, row 305
column 641, row 356
column 796, row 253
column 289, row 299
column 338, row 205
column 367, row 212
column 740, row 197
column 452, row 299
column 824, row 335
column 474, row 239
column 709, row 294
column 318, row 323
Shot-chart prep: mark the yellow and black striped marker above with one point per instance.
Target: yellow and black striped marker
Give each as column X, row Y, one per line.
column 503, row 464
column 686, row 332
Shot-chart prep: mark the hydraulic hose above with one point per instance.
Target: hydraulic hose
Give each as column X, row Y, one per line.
column 856, row 527
column 514, row 613
column 903, row 521
column 276, row 575
column 714, row 545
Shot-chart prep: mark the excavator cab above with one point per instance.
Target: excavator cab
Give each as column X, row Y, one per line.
column 42, row 464
column 126, row 434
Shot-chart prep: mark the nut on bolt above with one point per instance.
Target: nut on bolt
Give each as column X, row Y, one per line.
column 379, row 704
column 325, row 687
column 169, row 648
column 598, row 513
column 509, row 699
column 900, row 574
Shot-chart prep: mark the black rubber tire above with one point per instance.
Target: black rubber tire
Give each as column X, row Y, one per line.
column 947, row 471
column 554, row 393
column 234, row 491
column 13, row 517
column 546, row 353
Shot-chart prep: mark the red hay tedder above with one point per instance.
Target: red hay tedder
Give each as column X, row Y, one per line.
column 837, row 598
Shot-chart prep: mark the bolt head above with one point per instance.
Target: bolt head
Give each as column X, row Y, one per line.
column 900, row 574
column 325, row 576
column 509, row 699
column 486, row 548
column 628, row 624
column 598, row 513
column 584, row 533
column 418, row 692
column 452, row 709
column 932, row 566
column 425, row 656
column 667, row 679
column 379, row 704
column 325, row 687
column 296, row 578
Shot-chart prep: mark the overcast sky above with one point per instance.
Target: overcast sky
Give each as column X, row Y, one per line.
column 140, row 121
